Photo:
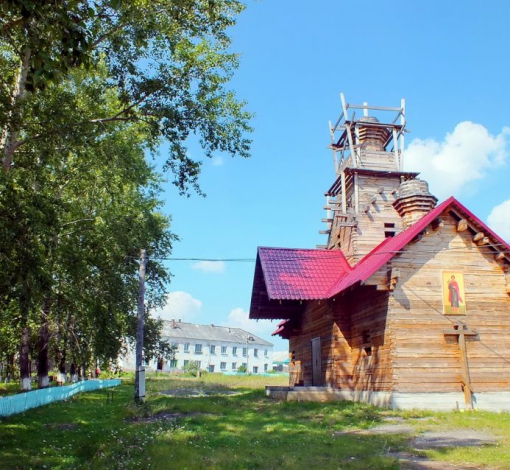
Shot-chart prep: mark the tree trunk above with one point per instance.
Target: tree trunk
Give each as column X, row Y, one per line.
column 12, row 127
column 10, row 372
column 24, row 359
column 44, row 339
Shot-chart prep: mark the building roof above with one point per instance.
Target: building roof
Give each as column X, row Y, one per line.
column 321, row 274
column 174, row 329
column 301, row 274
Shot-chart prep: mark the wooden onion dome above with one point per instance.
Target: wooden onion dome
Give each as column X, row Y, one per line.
column 372, row 137
column 413, row 201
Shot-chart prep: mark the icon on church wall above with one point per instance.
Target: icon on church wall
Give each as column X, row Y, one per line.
column 454, row 298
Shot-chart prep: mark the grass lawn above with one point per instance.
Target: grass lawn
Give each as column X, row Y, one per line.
column 229, row 423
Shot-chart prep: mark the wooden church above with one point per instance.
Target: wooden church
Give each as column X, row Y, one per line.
column 407, row 305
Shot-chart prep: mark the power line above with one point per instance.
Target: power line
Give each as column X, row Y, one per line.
column 303, row 256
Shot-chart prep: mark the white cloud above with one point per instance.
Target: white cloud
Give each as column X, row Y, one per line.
column 179, row 306
column 210, row 266
column 499, row 220
column 465, row 155
column 217, row 161
column 239, row 318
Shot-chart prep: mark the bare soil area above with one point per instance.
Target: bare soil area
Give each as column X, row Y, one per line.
column 430, row 440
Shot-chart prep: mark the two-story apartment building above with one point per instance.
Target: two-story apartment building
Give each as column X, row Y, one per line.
column 213, row 348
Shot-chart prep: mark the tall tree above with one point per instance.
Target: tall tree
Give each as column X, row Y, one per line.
column 82, row 218
column 163, row 68
column 170, row 59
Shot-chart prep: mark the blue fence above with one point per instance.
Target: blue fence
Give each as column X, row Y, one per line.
column 23, row 401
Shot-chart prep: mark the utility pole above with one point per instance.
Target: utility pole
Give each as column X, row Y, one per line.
column 140, row 370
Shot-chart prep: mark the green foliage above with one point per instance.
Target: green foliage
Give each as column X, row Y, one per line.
column 221, row 429
column 192, row 369
column 170, row 62
column 88, row 89
column 54, row 33
column 74, row 236
column 242, row 369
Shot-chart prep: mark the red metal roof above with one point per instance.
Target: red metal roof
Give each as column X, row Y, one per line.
column 368, row 265
column 301, row 274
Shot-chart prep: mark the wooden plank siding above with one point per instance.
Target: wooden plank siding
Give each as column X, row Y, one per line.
column 375, row 209
column 424, row 360
column 316, row 323
column 381, row 341
column 346, row 364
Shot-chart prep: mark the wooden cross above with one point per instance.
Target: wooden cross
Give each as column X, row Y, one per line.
column 461, row 331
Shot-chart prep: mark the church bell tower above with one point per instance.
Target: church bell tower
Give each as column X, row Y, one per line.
column 362, row 205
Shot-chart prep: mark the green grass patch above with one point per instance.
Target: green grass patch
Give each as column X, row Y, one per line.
column 228, row 424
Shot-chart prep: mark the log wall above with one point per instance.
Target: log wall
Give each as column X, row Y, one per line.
column 381, row 341
column 424, row 360
column 317, row 322
column 370, row 340
column 355, row 350
column 376, row 196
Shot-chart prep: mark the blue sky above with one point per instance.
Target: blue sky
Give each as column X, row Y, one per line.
column 448, row 59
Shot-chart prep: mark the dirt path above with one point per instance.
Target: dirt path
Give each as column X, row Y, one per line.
column 430, row 440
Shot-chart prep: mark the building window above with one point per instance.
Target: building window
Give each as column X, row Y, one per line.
column 223, row 350
column 245, row 352
column 223, row 365
column 265, row 367
column 234, row 366
column 389, row 229
column 245, row 366
column 211, row 367
column 198, row 349
column 198, row 363
column 265, row 352
column 186, row 347
column 213, row 349
column 234, row 351
column 256, row 352
column 173, row 363
column 367, row 346
column 186, row 362
column 255, row 370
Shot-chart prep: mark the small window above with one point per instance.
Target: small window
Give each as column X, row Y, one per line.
column 211, row 367
column 186, row 347
column 265, row 352
column 367, row 346
column 234, row 366
column 198, row 363
column 234, row 351
column 255, row 370
column 366, row 336
column 186, row 362
column 265, row 367
column 245, row 352
column 198, row 349
column 213, row 349
column 389, row 229
column 256, row 352
column 173, row 363
column 223, row 365
column 223, row 350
